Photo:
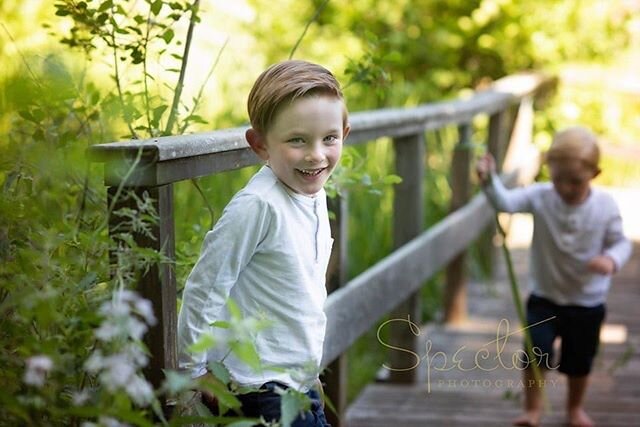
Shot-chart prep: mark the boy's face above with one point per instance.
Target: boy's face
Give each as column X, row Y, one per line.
column 304, row 143
column 572, row 180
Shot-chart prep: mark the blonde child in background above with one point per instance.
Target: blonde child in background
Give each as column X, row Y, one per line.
column 270, row 249
column 578, row 243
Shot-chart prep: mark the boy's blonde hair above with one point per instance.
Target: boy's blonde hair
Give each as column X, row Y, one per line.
column 283, row 83
column 575, row 143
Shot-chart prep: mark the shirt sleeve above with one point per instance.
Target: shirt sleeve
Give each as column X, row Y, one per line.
column 616, row 244
column 505, row 200
column 226, row 251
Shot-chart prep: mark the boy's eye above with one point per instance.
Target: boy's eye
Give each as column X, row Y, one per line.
column 331, row 139
column 296, row 140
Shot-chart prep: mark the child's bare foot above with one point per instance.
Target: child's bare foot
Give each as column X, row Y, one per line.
column 528, row 419
column 579, row 418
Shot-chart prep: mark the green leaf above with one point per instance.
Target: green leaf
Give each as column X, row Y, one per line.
column 175, row 382
column 26, row 114
column 220, row 371
column 221, row 392
column 88, row 280
column 391, row 179
column 234, row 310
column 222, row 324
column 292, row 404
column 196, row 119
column 105, row 5
column 95, row 98
column 246, row 351
column 204, row 343
column 243, row 423
column 155, row 7
column 167, row 36
column 157, row 113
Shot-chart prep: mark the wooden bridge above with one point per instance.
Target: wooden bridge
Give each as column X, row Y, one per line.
column 483, row 389
column 388, row 288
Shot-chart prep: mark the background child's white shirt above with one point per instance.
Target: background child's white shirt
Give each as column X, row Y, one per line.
column 565, row 239
column 269, row 252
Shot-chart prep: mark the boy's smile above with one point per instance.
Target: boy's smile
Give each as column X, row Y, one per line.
column 304, row 142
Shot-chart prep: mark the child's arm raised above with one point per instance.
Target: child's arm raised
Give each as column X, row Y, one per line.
column 503, row 199
column 485, row 168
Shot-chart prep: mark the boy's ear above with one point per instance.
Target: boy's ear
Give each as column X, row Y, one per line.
column 257, row 143
column 596, row 172
column 345, row 132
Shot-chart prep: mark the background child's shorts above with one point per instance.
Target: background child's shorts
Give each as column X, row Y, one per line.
column 578, row 328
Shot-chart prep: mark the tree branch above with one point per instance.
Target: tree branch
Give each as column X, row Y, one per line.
column 183, row 68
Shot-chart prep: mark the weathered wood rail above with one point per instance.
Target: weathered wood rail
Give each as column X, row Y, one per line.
column 353, row 307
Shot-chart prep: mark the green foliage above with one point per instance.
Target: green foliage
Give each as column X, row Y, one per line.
column 131, row 35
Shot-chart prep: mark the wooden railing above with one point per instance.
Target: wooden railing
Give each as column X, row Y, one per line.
column 389, row 286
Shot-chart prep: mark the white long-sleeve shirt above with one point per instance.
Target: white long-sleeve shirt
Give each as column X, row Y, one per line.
column 565, row 239
column 269, row 252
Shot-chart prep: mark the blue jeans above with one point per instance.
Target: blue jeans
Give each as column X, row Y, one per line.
column 266, row 403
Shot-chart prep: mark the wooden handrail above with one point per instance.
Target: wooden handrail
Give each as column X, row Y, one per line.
column 232, row 151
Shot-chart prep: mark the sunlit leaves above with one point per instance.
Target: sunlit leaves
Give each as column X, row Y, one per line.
column 156, row 6
column 129, row 32
column 168, row 35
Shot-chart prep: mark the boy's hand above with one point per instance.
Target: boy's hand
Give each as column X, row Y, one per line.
column 485, row 166
column 602, row 264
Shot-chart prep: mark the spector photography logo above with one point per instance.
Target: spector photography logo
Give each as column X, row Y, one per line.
column 490, row 356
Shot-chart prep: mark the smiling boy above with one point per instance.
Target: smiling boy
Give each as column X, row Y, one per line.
column 270, row 249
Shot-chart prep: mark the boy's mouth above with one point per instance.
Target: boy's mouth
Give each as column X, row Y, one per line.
column 311, row 172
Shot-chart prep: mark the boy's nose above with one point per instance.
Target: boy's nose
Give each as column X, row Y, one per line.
column 314, row 154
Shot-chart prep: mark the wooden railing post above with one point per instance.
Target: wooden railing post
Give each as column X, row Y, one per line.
column 520, row 152
column 408, row 214
column 455, row 294
column 497, row 140
column 335, row 376
column 158, row 284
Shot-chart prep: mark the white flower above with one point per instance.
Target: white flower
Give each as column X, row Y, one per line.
column 107, row 331
column 135, row 328
column 127, row 295
column 79, row 398
column 134, row 352
column 139, row 390
column 145, row 309
column 111, row 422
column 118, row 372
column 37, row 368
column 116, row 308
column 95, row 362
column 126, row 320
